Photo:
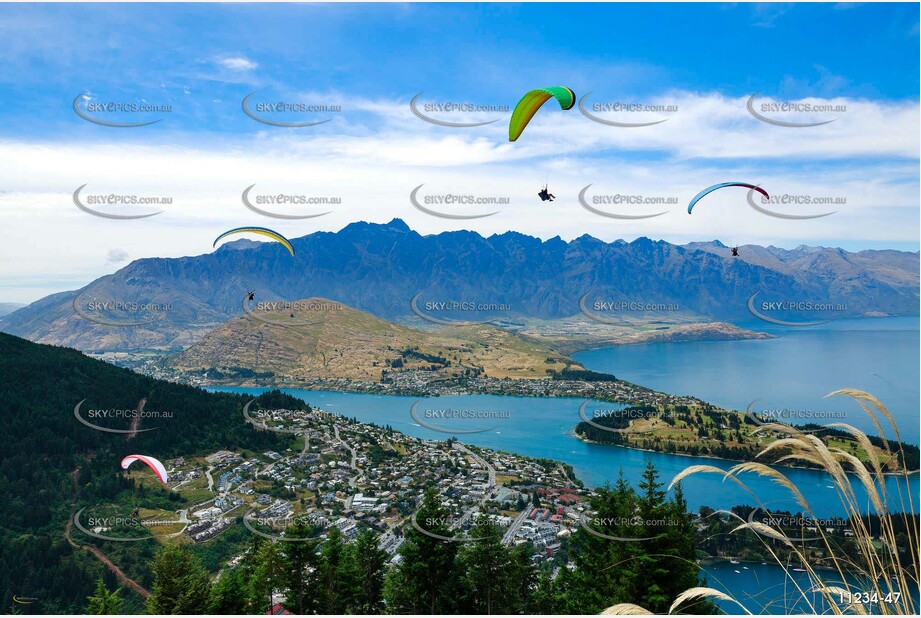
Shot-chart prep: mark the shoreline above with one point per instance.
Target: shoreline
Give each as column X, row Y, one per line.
column 777, row 465
column 710, row 560
column 571, row 431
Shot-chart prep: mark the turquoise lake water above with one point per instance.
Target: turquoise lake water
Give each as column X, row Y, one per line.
column 768, row 589
column 789, row 375
column 543, row 427
column 791, row 372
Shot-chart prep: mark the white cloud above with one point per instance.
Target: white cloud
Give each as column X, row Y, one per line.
column 237, row 63
column 706, row 126
column 373, row 157
column 116, row 256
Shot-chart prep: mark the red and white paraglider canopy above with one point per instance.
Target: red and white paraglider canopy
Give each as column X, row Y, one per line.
column 154, row 465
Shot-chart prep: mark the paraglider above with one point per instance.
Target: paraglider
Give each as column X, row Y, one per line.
column 151, row 462
column 734, row 249
column 722, row 185
column 545, row 195
column 264, row 231
column 533, row 101
column 528, row 106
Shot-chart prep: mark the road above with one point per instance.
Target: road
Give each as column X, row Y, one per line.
column 351, row 451
column 353, row 482
column 490, row 484
column 485, row 464
column 136, row 421
column 509, row 535
column 566, row 476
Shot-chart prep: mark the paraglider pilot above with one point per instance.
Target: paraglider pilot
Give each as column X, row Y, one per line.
column 546, row 196
column 735, row 252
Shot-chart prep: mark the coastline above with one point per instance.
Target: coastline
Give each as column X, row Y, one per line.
column 616, row 391
column 715, row 457
column 710, row 560
column 572, row 431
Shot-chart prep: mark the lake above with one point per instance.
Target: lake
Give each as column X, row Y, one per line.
column 791, row 372
column 543, row 427
column 789, row 375
column 769, row 589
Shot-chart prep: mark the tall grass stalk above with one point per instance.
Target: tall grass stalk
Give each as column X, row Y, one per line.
column 881, row 566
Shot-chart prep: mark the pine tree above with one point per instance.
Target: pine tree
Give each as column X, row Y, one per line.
column 497, row 580
column 426, row 580
column 667, row 566
column 366, row 566
column 332, row 574
column 684, row 572
column 181, row 584
column 521, row 580
column 604, row 567
column 652, row 563
column 544, row 598
column 268, row 576
column 250, row 557
column 655, row 563
column 104, row 602
column 228, row 594
column 652, row 496
column 302, row 576
column 485, row 564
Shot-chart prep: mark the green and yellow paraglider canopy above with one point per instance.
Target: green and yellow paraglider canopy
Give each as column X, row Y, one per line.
column 532, row 101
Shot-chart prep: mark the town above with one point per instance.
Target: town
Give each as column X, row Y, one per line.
column 419, row 383
column 354, row 476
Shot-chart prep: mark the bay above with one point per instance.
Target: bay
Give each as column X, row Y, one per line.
column 787, row 376
column 768, row 588
column 543, row 427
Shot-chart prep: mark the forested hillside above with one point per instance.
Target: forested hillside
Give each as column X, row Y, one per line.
column 46, row 448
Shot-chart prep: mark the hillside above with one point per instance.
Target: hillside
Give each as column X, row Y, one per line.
column 336, row 341
column 380, row 268
column 571, row 335
column 708, row 431
column 51, row 459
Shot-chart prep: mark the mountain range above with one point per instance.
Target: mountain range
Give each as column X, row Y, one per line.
column 381, row 268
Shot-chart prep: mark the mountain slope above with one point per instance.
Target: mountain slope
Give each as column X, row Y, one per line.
column 340, row 342
column 49, row 456
column 381, row 268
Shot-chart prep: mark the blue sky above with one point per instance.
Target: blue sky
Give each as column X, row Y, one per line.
column 372, row 59
column 174, row 52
